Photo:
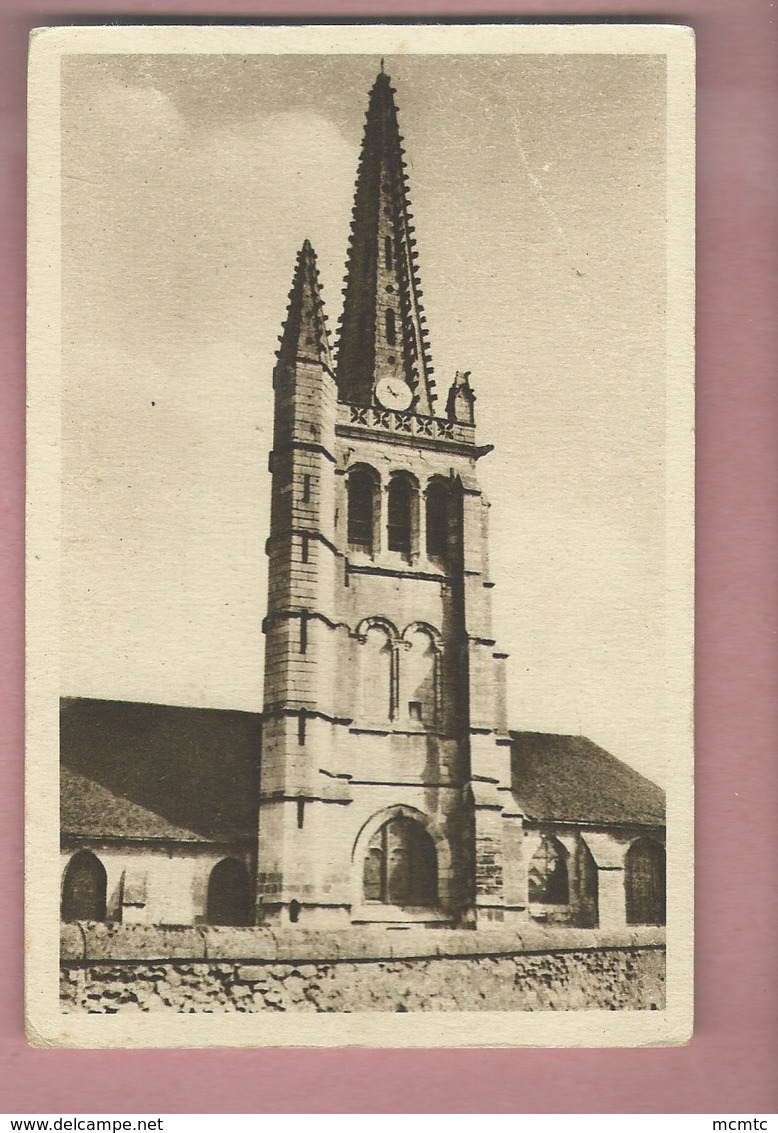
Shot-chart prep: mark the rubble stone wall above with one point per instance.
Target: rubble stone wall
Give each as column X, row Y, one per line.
column 106, row 969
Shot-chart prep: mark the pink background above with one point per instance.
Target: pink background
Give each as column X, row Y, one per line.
column 730, row 1065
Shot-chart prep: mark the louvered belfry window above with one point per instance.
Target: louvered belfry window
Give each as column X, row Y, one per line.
column 437, row 513
column 361, row 495
column 400, row 518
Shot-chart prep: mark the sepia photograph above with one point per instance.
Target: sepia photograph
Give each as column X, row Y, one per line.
column 360, row 553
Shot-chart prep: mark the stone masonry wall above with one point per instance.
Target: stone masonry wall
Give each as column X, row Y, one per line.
column 106, row 969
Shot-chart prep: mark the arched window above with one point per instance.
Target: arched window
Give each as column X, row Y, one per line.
column 375, row 659
column 419, row 677
column 363, row 497
column 84, row 889
column 644, row 882
column 229, row 899
column 548, row 880
column 401, row 866
column 400, row 519
column 437, row 519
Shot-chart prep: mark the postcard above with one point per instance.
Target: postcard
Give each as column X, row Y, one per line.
column 360, row 536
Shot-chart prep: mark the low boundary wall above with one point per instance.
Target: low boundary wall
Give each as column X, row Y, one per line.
column 109, row 968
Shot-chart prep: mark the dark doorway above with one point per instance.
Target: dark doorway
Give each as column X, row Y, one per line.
column 229, row 894
column 84, row 889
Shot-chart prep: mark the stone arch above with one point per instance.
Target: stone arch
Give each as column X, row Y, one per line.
column 434, row 635
column 376, row 621
column 84, row 888
column 403, row 855
column 377, row 670
column 229, row 900
column 420, row 681
column 644, row 882
column 363, row 516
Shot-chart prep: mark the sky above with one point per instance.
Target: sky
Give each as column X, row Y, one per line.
column 538, row 188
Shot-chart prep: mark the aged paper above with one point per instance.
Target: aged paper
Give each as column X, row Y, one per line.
column 359, row 701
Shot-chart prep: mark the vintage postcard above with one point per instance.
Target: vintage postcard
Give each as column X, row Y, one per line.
column 360, row 536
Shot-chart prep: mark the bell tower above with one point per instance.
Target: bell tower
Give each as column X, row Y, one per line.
column 385, row 782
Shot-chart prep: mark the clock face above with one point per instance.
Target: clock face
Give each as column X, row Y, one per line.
column 393, row 393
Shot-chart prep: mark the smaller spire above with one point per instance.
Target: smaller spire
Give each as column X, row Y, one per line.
column 460, row 403
column 305, row 337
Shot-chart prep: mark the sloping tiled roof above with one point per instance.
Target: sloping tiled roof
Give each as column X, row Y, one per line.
column 90, row 809
column 572, row 779
column 155, row 771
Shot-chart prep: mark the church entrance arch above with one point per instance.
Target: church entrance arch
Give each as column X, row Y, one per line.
column 401, row 866
column 229, row 900
column 399, row 860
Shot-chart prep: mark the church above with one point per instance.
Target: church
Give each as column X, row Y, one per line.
column 383, row 782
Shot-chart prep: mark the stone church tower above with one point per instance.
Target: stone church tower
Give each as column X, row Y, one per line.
column 386, row 762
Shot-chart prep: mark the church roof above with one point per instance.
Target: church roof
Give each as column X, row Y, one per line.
column 90, row 809
column 305, row 337
column 383, row 330
column 156, row 771
column 571, row 779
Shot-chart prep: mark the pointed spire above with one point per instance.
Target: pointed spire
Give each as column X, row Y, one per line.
column 305, row 337
column 460, row 403
column 382, row 328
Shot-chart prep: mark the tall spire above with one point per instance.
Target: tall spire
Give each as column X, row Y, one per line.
column 383, row 333
column 305, row 337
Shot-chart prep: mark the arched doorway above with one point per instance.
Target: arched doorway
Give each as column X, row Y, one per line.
column 401, row 865
column 84, row 889
column 229, row 894
column 644, row 882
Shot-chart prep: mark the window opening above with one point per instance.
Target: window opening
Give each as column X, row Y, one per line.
column 391, row 332
column 306, row 488
column 301, row 729
column 303, row 633
column 300, row 813
column 414, row 709
column 294, row 911
column 437, row 519
column 304, row 552
column 548, row 881
column 360, row 510
column 399, row 515
column 401, row 866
